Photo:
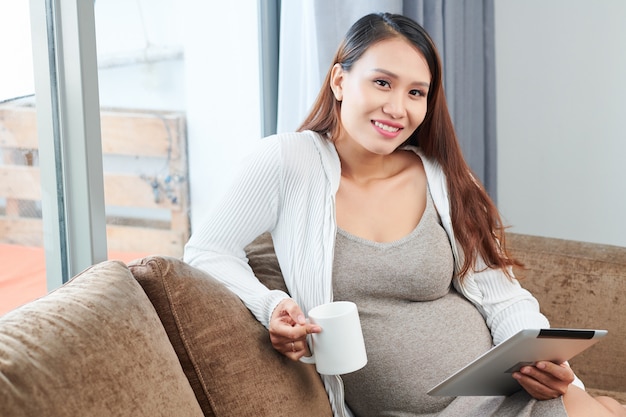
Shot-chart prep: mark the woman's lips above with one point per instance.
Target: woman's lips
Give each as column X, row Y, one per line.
column 390, row 130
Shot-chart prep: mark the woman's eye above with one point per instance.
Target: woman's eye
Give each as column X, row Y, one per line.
column 417, row 93
column 382, row 83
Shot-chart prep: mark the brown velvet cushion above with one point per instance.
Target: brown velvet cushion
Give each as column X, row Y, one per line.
column 94, row 347
column 262, row 259
column 580, row 284
column 224, row 350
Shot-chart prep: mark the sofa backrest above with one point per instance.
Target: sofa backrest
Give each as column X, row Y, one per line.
column 94, row 347
column 580, row 285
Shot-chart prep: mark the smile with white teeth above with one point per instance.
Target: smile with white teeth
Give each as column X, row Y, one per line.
column 385, row 127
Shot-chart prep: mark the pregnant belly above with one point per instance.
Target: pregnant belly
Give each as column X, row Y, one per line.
column 412, row 346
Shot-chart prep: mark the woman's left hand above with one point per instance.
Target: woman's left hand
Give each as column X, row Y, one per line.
column 545, row 380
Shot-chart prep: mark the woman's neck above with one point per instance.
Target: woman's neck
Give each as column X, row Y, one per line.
column 362, row 166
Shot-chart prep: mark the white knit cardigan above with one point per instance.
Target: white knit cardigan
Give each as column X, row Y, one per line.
column 287, row 187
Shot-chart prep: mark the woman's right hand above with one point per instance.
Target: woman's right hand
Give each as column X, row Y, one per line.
column 545, row 380
column 289, row 328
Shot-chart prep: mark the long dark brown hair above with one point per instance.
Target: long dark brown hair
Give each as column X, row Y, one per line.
column 477, row 223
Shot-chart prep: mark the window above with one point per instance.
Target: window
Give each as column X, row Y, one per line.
column 143, row 127
column 112, row 172
column 22, row 276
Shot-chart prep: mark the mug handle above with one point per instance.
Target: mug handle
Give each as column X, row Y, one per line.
column 310, row 360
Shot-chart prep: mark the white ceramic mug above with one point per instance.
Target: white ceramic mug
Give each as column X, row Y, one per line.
column 339, row 348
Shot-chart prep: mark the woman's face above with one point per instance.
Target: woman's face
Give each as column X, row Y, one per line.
column 383, row 96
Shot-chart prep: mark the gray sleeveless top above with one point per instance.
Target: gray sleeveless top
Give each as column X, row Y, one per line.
column 417, row 328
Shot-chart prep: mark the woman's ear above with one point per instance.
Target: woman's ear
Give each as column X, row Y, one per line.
column 336, row 80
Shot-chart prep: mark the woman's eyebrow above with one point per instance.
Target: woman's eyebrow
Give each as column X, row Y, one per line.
column 395, row 76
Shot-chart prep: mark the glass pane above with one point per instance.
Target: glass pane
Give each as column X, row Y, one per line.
column 141, row 84
column 22, row 275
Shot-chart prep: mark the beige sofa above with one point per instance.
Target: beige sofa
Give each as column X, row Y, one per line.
column 159, row 338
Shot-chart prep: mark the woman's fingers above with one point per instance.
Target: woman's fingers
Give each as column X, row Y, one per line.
column 545, row 380
column 295, row 350
column 288, row 329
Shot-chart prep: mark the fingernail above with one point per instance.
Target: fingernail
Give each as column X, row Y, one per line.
column 301, row 319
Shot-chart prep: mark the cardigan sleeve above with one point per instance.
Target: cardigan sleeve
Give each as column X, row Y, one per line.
column 248, row 209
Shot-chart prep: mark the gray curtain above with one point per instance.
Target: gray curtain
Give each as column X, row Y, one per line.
column 463, row 31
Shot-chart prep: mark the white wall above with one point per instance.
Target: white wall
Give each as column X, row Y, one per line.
column 561, row 93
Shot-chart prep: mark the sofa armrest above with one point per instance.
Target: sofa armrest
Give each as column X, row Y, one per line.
column 94, row 347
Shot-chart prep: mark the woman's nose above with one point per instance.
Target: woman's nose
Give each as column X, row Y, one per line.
column 395, row 106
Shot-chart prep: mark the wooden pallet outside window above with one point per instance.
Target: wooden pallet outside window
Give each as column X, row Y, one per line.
column 145, row 180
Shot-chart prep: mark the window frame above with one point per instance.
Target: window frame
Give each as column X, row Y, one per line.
column 68, row 129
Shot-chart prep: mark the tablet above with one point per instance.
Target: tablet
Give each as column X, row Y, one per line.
column 490, row 373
